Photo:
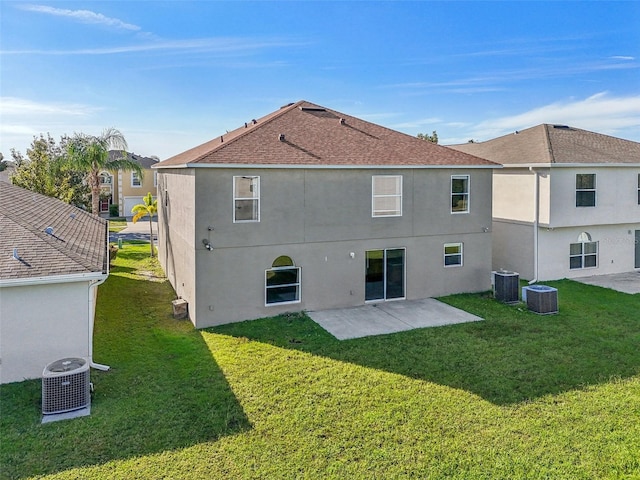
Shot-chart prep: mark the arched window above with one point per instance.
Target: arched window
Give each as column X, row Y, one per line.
column 105, row 179
column 583, row 253
column 282, row 282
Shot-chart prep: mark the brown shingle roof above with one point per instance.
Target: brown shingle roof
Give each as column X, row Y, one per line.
column 318, row 136
column 557, row 144
column 78, row 243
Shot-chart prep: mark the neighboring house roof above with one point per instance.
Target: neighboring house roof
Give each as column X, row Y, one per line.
column 77, row 243
column 144, row 162
column 310, row 135
column 555, row 144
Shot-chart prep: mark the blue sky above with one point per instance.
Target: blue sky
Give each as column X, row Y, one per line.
column 171, row 75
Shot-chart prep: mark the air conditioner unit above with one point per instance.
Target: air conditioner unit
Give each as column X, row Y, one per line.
column 66, row 386
column 542, row 299
column 506, row 286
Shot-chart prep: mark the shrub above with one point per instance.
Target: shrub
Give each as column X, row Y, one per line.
column 114, row 211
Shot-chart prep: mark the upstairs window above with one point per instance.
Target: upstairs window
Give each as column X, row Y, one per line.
column 105, row 179
column 246, row 199
column 282, row 282
column 386, row 196
column 639, row 189
column 586, row 190
column 583, row 253
column 460, row 194
column 135, row 180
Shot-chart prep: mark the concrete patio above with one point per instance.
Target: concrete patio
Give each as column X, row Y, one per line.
column 388, row 317
column 628, row 282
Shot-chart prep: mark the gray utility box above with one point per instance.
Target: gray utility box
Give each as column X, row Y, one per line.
column 506, row 286
column 542, row 299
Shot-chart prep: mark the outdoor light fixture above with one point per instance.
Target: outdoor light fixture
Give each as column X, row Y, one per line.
column 207, row 244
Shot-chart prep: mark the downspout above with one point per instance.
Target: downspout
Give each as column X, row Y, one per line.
column 93, row 294
column 536, row 223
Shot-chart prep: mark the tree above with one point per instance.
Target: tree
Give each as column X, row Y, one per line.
column 46, row 171
column 150, row 208
column 90, row 154
column 433, row 138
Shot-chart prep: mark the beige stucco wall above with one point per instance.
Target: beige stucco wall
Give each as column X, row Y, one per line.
column 317, row 217
column 41, row 324
column 513, row 247
column 176, row 231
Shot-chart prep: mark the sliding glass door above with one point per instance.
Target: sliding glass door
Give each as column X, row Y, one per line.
column 384, row 274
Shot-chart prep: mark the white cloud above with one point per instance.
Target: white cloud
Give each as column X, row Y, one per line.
column 82, row 16
column 599, row 113
column 20, row 107
column 197, row 45
column 623, row 57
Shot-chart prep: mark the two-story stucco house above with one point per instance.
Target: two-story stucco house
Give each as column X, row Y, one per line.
column 126, row 188
column 566, row 204
column 308, row 208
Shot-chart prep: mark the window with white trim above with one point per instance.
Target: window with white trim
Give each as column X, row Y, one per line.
column 453, row 254
column 639, row 189
column 585, row 190
column 155, row 178
column 136, row 181
column 460, row 194
column 246, row 199
column 105, row 178
column 386, row 196
column 282, row 282
column 583, row 253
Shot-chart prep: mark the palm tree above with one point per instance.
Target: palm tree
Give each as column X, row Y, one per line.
column 150, row 208
column 90, row 154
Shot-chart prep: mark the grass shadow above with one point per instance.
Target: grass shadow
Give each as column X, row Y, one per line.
column 164, row 390
column 512, row 356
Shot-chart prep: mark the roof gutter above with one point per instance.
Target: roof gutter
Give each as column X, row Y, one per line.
column 46, row 280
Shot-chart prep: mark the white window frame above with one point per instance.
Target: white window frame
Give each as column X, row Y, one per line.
column 450, row 255
column 255, row 198
column 639, row 189
column 377, row 213
column 296, row 284
column 582, row 255
column 155, row 178
column 105, row 176
column 466, row 194
column 134, row 177
column 581, row 190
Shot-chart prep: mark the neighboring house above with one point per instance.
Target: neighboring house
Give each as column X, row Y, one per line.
column 308, row 208
column 566, row 204
column 125, row 188
column 52, row 258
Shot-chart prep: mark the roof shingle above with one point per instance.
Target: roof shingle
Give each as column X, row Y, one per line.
column 77, row 243
column 555, row 144
column 306, row 134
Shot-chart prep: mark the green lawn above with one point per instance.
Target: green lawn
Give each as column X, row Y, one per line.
column 117, row 224
column 516, row 396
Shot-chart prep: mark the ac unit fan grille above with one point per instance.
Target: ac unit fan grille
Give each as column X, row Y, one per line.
column 66, row 392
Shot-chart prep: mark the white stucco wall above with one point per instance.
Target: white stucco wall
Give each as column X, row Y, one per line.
column 616, row 250
column 616, row 197
column 40, row 324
